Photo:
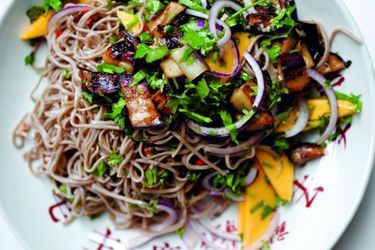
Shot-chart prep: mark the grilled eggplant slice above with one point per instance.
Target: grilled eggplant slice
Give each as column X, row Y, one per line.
column 122, row 53
column 262, row 121
column 292, row 68
column 141, row 109
column 100, row 85
column 306, row 152
column 334, row 64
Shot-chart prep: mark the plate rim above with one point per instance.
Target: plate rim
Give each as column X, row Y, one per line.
column 368, row 170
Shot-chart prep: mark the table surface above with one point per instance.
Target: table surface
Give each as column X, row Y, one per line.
column 360, row 234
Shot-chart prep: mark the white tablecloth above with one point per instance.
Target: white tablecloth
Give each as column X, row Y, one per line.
column 361, row 232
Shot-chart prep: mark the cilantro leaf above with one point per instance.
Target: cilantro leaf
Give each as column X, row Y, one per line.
column 201, row 40
column 195, row 116
column 355, row 99
column 63, row 188
column 228, row 123
column 117, row 115
column 138, row 77
column 101, row 169
column 151, row 175
column 202, row 89
column 109, row 68
column 284, row 19
column 87, row 96
column 151, row 54
column 194, row 5
column 274, row 53
column 35, row 12
column 115, row 159
column 180, row 232
column 29, row 59
column 56, row 5
column 154, row 6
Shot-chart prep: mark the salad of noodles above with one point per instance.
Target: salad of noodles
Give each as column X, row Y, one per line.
column 165, row 113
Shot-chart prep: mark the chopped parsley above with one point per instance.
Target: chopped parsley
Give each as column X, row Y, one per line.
column 234, row 181
column 87, row 96
column 193, row 176
column 151, row 175
column 199, row 39
column 194, row 5
column 266, row 210
column 115, row 159
column 355, row 99
column 117, row 115
column 228, row 123
column 284, row 19
column 30, row 58
column 138, row 77
column 151, row 54
column 154, row 6
column 101, row 169
column 195, row 116
column 63, row 188
column 180, row 232
column 67, row 74
column 109, row 68
column 36, row 11
column 281, row 144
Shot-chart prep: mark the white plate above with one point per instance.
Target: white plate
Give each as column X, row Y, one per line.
column 343, row 173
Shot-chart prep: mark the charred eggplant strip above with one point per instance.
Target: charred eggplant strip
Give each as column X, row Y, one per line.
column 141, row 109
column 264, row 120
column 293, row 69
column 100, row 83
column 122, row 53
column 306, row 153
column 334, row 64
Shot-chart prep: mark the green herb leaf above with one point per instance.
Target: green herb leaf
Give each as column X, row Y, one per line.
column 67, row 74
column 195, row 116
column 267, row 210
column 56, row 5
column 87, row 96
column 35, row 12
column 355, row 99
column 151, row 176
column 138, row 77
column 194, row 5
column 228, row 123
column 109, row 68
column 201, row 40
column 30, row 58
column 202, row 89
column 115, row 159
column 63, row 188
column 284, row 19
column 180, row 232
column 101, row 169
column 257, row 207
column 274, row 53
column 154, row 6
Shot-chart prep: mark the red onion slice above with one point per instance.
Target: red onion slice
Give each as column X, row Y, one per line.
column 302, row 120
column 171, row 219
column 229, row 194
column 267, row 235
column 219, row 233
column 213, row 17
column 227, row 29
column 224, row 132
column 251, row 176
column 64, row 12
column 332, row 102
column 252, row 141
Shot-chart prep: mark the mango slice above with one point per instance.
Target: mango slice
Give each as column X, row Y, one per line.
column 38, row 28
column 280, row 172
column 251, row 224
column 318, row 108
column 242, row 40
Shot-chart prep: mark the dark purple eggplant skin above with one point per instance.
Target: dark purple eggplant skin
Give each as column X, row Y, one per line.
column 172, row 41
column 125, row 50
column 313, row 40
column 305, row 153
column 100, row 83
column 290, row 63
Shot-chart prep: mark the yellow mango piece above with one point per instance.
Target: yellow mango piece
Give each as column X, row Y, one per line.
column 127, row 19
column 227, row 55
column 252, row 226
column 243, row 40
column 38, row 28
column 318, row 109
column 281, row 177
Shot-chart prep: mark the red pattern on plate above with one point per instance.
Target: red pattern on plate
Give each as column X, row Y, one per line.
column 308, row 193
column 62, row 207
column 166, row 246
